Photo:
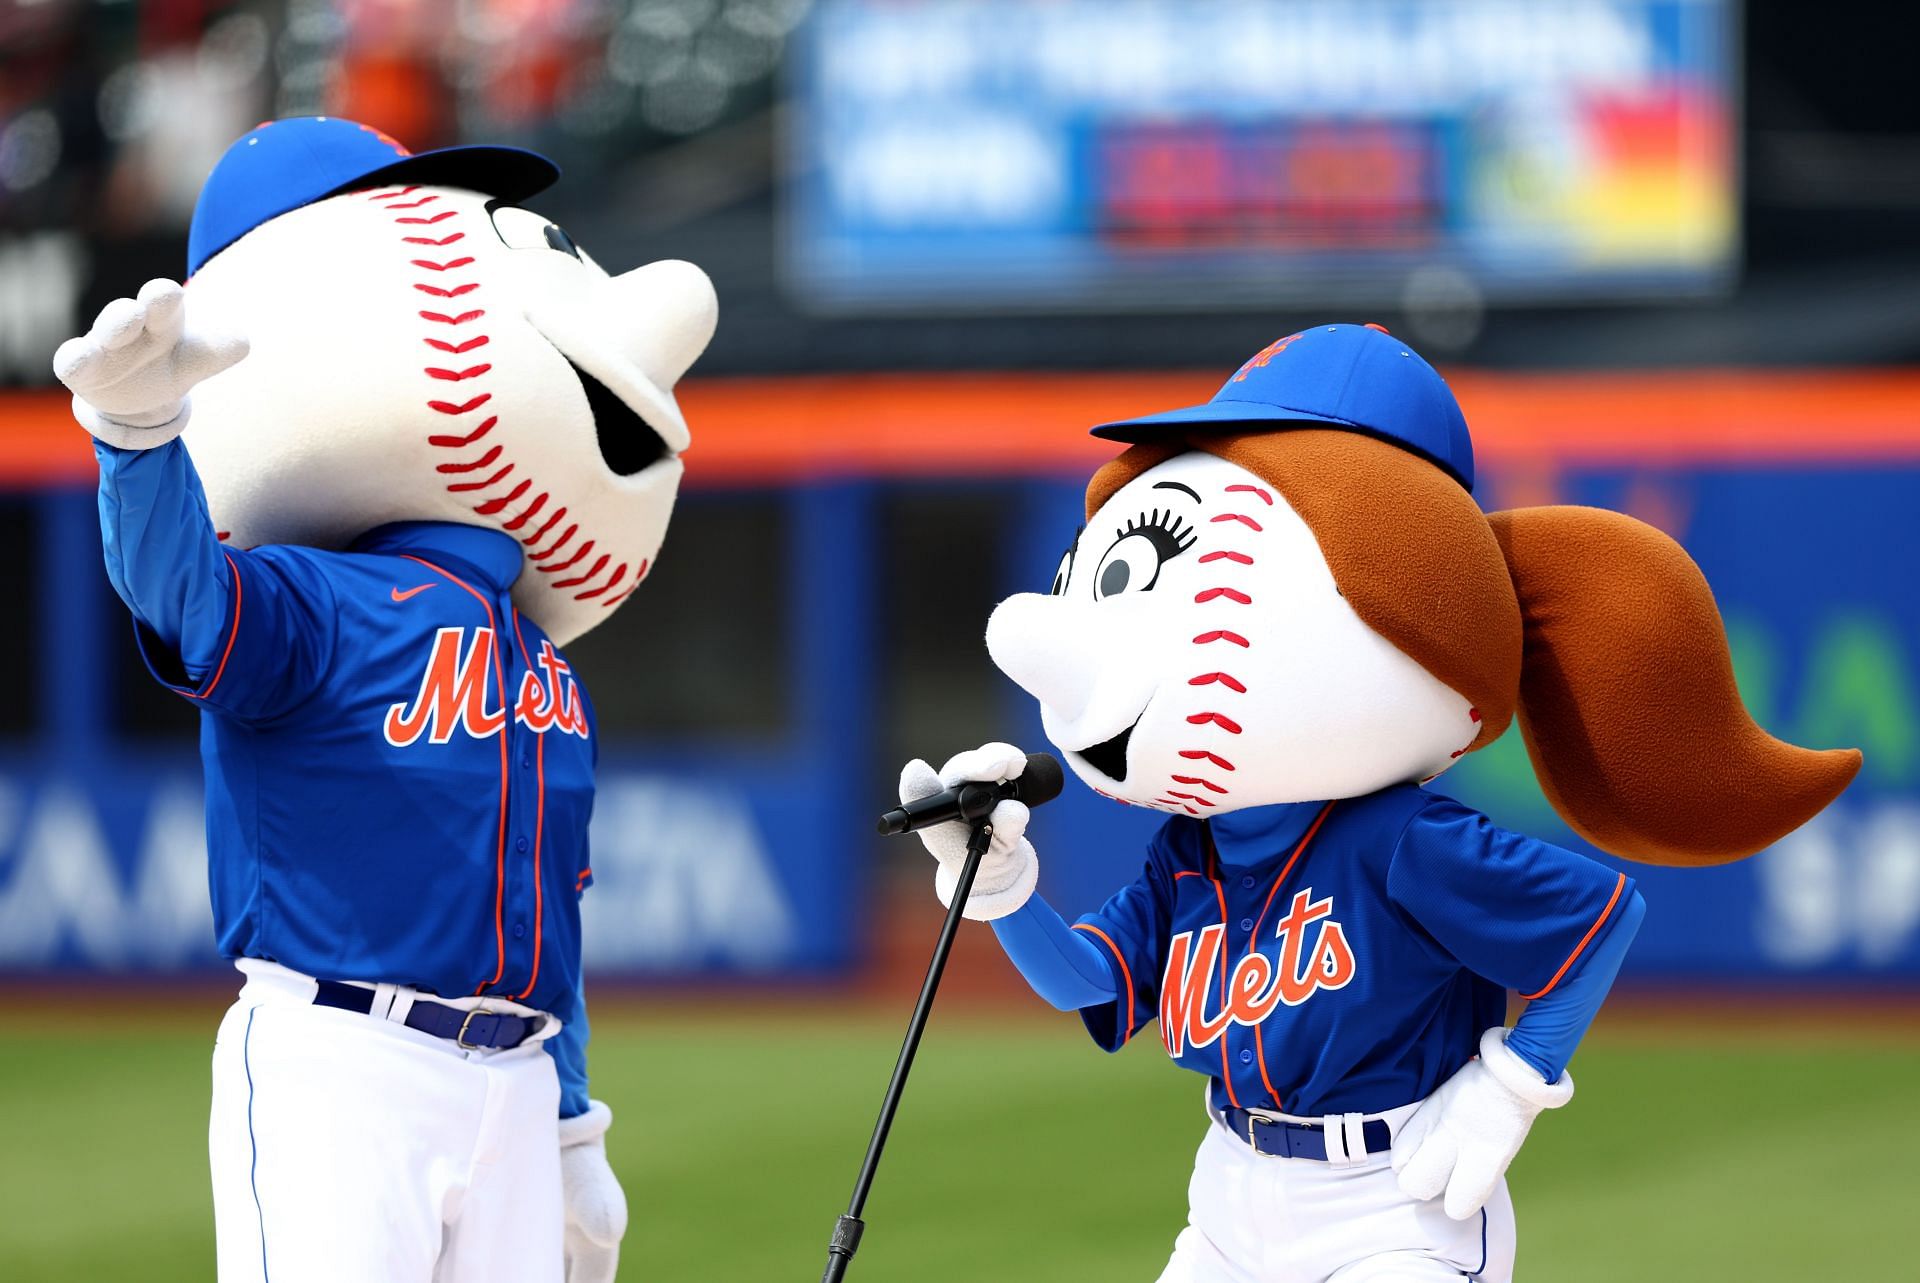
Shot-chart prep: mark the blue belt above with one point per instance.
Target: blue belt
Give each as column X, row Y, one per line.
column 470, row 1030
column 1279, row 1139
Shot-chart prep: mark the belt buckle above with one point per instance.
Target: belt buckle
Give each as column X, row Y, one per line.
column 1285, row 1142
column 460, row 1039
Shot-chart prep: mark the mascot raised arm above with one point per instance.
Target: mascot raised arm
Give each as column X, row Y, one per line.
column 431, row 442
column 1284, row 616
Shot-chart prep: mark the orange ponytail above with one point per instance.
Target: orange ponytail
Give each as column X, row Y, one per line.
column 1627, row 699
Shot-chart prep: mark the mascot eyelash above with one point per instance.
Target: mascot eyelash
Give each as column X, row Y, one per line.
column 1171, row 536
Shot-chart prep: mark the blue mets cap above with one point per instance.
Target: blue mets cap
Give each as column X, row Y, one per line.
column 1357, row 377
column 284, row 164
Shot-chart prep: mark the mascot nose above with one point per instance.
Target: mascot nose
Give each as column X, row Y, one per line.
column 662, row 316
column 1047, row 645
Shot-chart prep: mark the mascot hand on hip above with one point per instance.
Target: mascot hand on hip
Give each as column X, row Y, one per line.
column 1284, row 616
column 396, row 441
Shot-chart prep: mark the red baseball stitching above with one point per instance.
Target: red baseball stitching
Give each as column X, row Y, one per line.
column 473, row 466
column 1207, row 755
column 466, row 487
column 471, row 437
column 503, row 470
column 526, row 514
column 583, row 550
column 1214, row 718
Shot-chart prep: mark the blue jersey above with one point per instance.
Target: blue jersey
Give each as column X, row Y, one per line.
column 399, row 765
column 1326, row 958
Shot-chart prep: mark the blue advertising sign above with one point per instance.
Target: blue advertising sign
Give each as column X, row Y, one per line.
column 107, row 872
column 974, row 153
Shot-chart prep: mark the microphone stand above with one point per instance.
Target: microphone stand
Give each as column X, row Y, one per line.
column 847, row 1230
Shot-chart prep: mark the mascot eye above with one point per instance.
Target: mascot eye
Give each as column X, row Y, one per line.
column 1061, row 575
column 523, row 229
column 1133, row 563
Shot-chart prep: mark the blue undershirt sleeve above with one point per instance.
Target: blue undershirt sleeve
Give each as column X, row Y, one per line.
column 161, row 552
column 1551, row 1027
column 1064, row 966
column 569, row 1051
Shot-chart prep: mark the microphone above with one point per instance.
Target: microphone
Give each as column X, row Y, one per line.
column 1039, row 782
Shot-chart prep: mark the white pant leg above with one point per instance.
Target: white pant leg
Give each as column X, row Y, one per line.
column 1253, row 1218
column 508, row 1226
column 347, row 1147
column 1227, row 1198
column 1196, row 1260
column 1493, row 1265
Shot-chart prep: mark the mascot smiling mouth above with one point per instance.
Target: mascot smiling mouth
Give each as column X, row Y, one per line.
column 628, row 443
column 1109, row 757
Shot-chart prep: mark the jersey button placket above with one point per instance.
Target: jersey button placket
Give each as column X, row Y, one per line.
column 521, row 811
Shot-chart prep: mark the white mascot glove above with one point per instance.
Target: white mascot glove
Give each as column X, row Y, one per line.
column 1462, row 1140
column 1010, row 869
column 130, row 374
column 596, row 1205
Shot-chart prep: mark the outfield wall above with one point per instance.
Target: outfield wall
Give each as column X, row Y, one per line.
column 736, row 844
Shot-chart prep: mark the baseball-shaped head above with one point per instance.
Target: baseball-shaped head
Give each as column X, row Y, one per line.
column 1196, row 655
column 426, row 348
column 1289, row 595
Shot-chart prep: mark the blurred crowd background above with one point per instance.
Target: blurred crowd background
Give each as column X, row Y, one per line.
column 1666, row 251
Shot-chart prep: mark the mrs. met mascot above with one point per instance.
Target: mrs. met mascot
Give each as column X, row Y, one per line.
column 1285, row 614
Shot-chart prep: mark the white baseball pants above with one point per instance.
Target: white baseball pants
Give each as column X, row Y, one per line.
column 346, row 1147
column 1253, row 1218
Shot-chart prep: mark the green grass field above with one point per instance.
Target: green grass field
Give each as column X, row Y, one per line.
column 1021, row 1154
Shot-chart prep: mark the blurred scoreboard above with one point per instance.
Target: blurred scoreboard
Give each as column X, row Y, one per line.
column 1074, row 153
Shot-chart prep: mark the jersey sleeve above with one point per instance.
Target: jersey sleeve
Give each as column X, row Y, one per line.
column 246, row 633
column 163, row 557
column 1131, row 927
column 1512, row 909
column 569, row 1051
column 1551, row 1028
column 1068, row 968
column 276, row 645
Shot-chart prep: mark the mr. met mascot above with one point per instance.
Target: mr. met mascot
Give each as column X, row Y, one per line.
column 432, row 441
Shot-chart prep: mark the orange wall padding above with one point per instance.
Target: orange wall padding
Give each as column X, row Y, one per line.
column 771, row 430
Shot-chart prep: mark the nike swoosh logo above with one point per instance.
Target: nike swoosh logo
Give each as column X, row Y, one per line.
column 411, row 592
